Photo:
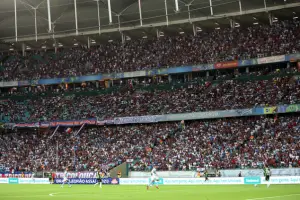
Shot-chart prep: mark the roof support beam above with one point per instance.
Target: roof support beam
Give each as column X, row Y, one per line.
column 159, row 24
column 167, row 17
column 99, row 22
column 16, row 20
column 35, row 26
column 109, row 11
column 76, row 20
column 140, row 10
column 211, row 8
column 240, row 5
column 176, row 6
column 49, row 17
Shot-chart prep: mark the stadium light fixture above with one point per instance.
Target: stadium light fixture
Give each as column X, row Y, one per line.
column 75, row 44
column 44, row 47
column 11, row 49
column 295, row 17
column 145, row 37
column 93, row 41
column 28, row 47
column 128, row 38
column 181, row 32
column 218, row 28
column 161, row 34
column 255, row 23
column 60, row 45
column 110, row 40
column 237, row 25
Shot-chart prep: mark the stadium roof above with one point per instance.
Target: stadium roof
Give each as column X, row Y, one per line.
column 126, row 18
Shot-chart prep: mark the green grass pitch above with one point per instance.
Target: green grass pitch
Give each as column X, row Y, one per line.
column 118, row 192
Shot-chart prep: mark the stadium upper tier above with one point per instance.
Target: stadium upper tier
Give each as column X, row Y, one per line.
column 205, row 47
column 223, row 143
column 225, row 95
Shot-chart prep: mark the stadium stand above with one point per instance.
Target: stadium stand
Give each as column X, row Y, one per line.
column 221, row 143
column 206, row 47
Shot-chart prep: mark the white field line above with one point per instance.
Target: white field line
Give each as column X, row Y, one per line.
column 289, row 195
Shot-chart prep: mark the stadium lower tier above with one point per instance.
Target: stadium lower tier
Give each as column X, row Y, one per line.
column 193, row 98
column 222, row 143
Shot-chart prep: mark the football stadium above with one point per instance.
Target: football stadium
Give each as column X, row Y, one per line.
column 150, row 99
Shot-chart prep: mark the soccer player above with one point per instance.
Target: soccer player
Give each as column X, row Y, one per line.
column 32, row 177
column 65, row 180
column 154, row 178
column 206, row 175
column 267, row 175
column 99, row 178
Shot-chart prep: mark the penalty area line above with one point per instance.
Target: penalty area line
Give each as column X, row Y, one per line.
column 289, row 195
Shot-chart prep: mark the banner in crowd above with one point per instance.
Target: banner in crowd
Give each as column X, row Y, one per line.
column 92, row 121
column 272, row 59
column 85, row 174
column 15, row 175
column 251, row 62
column 107, row 181
column 169, row 117
column 225, row 65
column 137, row 119
column 206, row 67
column 9, row 84
column 293, row 57
column 153, row 72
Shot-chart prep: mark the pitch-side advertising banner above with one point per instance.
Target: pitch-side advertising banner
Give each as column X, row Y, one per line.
column 107, row 181
column 3, row 180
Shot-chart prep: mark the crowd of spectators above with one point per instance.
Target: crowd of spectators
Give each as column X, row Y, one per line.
column 221, row 143
column 205, row 47
column 226, row 95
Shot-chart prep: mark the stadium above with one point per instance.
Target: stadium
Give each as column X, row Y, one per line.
column 140, row 99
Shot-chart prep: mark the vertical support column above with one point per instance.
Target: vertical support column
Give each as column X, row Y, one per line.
column 211, row 8
column 265, row 3
column 122, row 37
column 247, row 70
column 76, row 20
column 176, row 6
column 140, row 10
column 49, row 16
column 23, row 49
column 35, row 25
column 194, row 30
column 157, row 34
column 16, row 20
column 89, row 42
column 55, row 49
column 240, row 5
column 99, row 22
column 170, row 78
column 119, row 23
column 232, row 23
column 207, row 73
column 270, row 19
column 167, row 17
column 189, row 12
column 109, row 11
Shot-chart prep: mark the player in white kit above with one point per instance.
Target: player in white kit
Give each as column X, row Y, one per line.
column 32, row 177
column 154, row 178
column 65, row 179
